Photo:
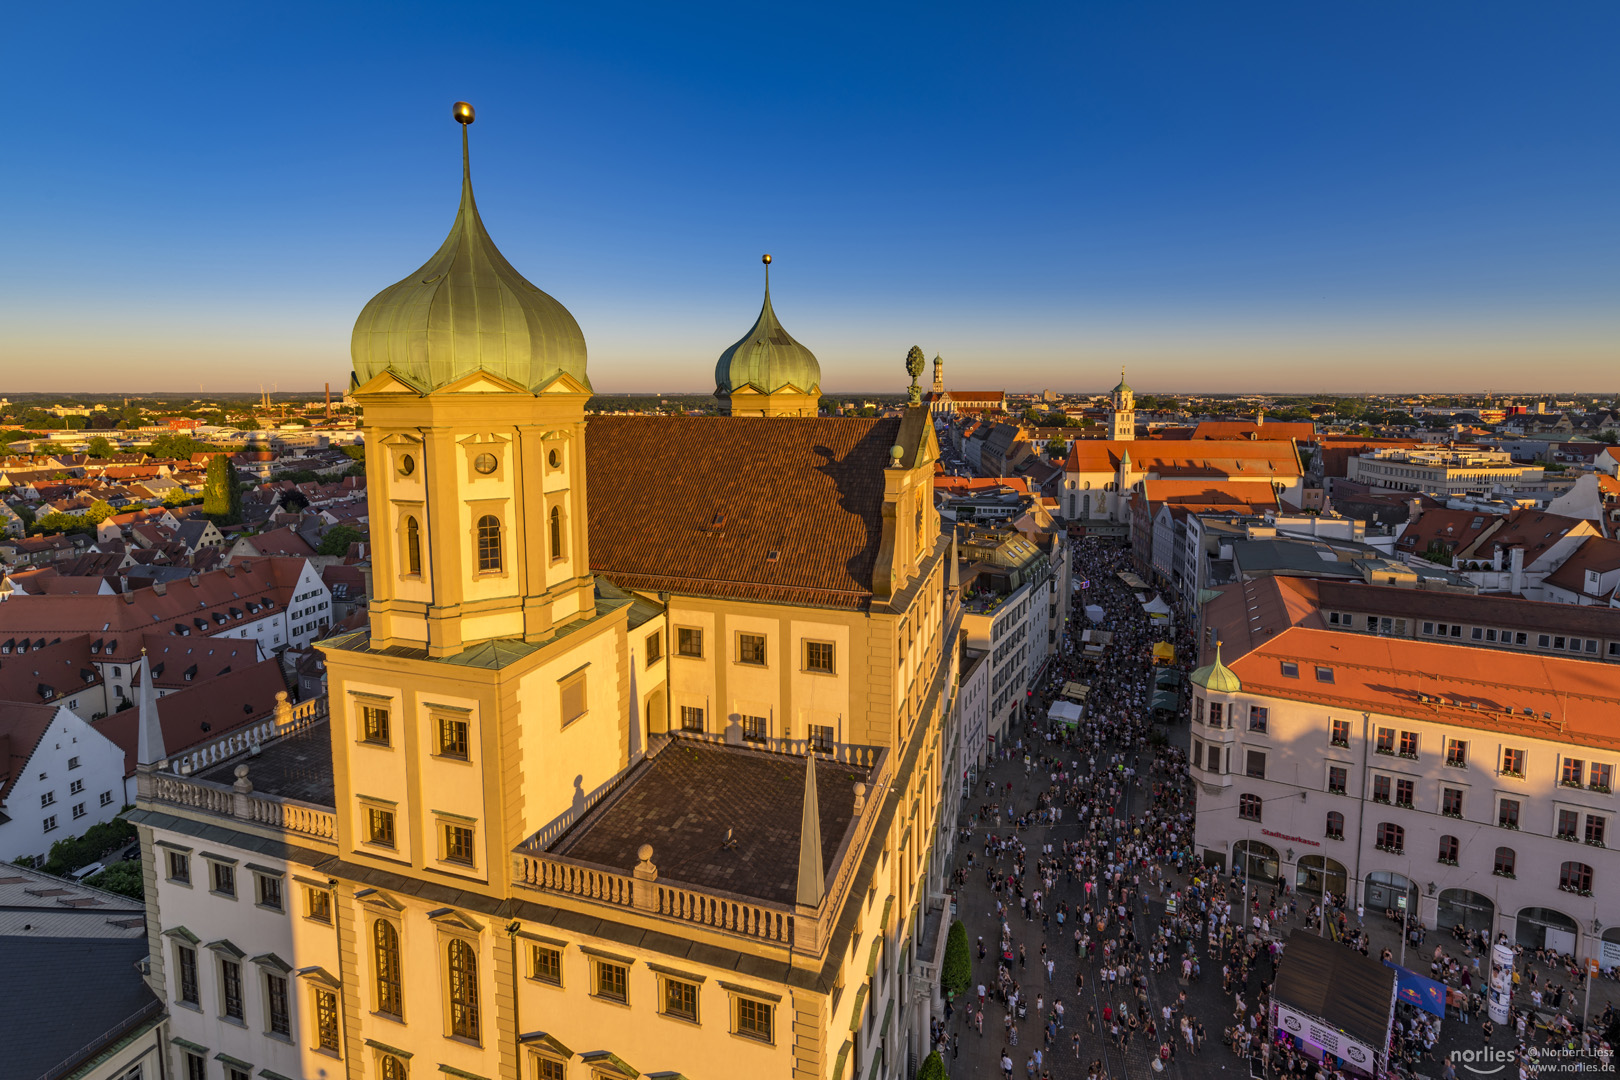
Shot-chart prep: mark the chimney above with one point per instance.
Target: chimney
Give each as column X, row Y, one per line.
column 195, row 579
column 160, row 587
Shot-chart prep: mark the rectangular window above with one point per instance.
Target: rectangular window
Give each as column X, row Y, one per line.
column 275, row 998
column 1324, row 674
column 1197, row 754
column 548, row 1069
column 691, row 718
column 751, row 649
column 1477, row 634
column 680, row 999
column 1543, row 640
column 73, row 763
column 1456, row 753
column 1428, row 628
column 1404, row 790
column 1451, row 802
column 1215, row 714
column 1409, row 744
column 546, row 963
column 452, row 738
column 754, row 1019
column 1341, row 733
column 458, row 844
column 1384, row 741
column 78, row 811
column 1198, row 710
column 755, row 729
column 1338, row 779
column 1595, row 828
column 224, row 878
column 374, row 724
column 1490, row 635
column 689, row 642
column 47, row 799
column 179, row 867
column 196, row 1066
column 655, row 648
column 1568, row 822
column 1255, row 765
column 1259, row 715
column 818, row 657
column 1512, row 762
column 326, row 1020
column 106, row 798
column 75, row 787
column 1381, row 787
column 1573, row 774
column 1507, row 813
column 611, row 981
column 269, row 891
column 230, row 988
column 317, row 904
column 1601, row 778
column 821, row 738
column 380, row 826
column 1558, row 641
column 572, row 696
column 1290, row 669
column 187, row 961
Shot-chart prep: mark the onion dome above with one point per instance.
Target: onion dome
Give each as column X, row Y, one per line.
column 1217, row 678
column 1123, row 386
column 467, row 310
column 767, row 358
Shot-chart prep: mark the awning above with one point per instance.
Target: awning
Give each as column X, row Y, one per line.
column 1075, row 690
column 1132, row 580
column 1164, row 653
column 1335, row 999
column 1170, row 677
column 1168, row 700
column 1156, row 606
column 1094, row 612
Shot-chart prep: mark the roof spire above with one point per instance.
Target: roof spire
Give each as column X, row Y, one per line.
column 812, row 875
column 149, row 732
column 766, row 259
column 956, row 573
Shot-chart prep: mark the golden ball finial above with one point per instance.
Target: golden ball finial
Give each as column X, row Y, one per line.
column 463, row 112
column 766, row 260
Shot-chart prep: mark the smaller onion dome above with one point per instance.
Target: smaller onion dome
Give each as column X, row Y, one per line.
column 1123, row 386
column 767, row 358
column 1217, row 678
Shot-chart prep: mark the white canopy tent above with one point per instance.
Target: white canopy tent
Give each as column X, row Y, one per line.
column 1067, row 711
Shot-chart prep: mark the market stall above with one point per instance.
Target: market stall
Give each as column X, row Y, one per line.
column 1333, row 1002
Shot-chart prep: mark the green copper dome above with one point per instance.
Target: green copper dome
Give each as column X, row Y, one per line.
column 1123, row 386
column 1217, row 678
column 467, row 310
column 767, row 359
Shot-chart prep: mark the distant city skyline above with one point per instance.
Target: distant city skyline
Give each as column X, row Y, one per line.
column 1274, row 199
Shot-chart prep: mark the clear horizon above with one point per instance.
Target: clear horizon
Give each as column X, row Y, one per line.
column 1274, row 199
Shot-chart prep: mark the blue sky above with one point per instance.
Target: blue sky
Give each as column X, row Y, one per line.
column 1251, row 196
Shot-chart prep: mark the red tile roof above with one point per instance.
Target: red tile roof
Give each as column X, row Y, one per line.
column 1204, row 457
column 1271, row 430
column 202, row 713
column 21, row 728
column 697, row 505
column 1595, row 554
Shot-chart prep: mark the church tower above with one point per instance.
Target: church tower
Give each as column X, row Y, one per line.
column 474, row 389
column 1122, row 421
column 939, row 375
column 767, row 373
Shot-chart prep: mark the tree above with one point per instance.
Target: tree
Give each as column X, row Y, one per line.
column 222, row 493
column 357, row 451
column 247, row 423
column 123, row 878
column 179, row 497
column 99, row 447
column 957, row 971
column 100, row 511
column 1056, row 447
column 338, row 538
column 933, row 1068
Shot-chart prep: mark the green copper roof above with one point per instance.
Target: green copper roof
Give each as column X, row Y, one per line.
column 767, row 359
column 1123, row 385
column 467, row 309
column 1217, row 677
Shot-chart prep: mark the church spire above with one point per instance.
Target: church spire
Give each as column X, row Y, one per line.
column 812, row 873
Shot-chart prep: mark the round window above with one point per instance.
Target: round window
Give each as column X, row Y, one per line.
column 485, row 463
column 407, row 465
column 555, row 457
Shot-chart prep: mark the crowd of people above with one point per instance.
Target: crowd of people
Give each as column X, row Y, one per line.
column 1073, row 830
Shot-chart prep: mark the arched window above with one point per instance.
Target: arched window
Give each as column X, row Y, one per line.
column 1391, row 837
column 1448, row 850
column 413, row 546
column 556, row 532
column 1575, row 877
column 392, row 1068
column 1506, row 860
column 390, row 987
column 1335, row 825
column 463, row 990
column 489, row 544
column 1249, row 807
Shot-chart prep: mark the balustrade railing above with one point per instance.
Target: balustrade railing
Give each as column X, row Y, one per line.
column 228, row 800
